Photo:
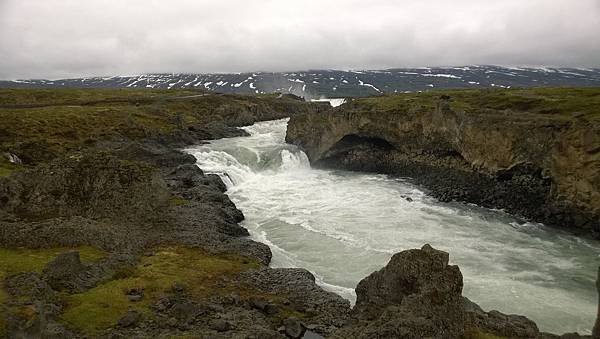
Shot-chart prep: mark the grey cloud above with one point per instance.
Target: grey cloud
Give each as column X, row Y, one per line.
column 63, row 38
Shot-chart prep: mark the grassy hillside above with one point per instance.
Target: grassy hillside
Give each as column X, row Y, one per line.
column 558, row 102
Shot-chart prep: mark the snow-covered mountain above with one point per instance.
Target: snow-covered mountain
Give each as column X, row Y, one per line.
column 336, row 83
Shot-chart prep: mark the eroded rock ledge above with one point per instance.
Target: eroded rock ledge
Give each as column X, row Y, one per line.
column 534, row 153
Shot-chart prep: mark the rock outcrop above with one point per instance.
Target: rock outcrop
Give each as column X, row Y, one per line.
column 541, row 166
column 130, row 196
column 419, row 295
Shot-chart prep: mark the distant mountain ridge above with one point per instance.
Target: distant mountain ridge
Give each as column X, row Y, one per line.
column 337, row 83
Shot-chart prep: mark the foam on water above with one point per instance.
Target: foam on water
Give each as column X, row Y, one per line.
column 342, row 226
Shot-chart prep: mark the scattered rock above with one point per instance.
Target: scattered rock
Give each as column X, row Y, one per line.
column 235, row 299
column 178, row 287
column 311, row 335
column 293, row 328
column 184, row 311
column 263, row 305
column 13, row 158
column 130, row 319
column 135, row 294
column 134, row 297
column 62, row 272
column 220, row 325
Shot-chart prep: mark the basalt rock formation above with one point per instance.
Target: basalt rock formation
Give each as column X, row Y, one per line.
column 419, row 295
column 534, row 153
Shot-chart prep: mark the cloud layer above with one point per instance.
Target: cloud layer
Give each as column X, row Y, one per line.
column 66, row 38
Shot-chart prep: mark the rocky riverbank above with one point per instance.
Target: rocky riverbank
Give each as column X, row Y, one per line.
column 107, row 230
column 534, row 153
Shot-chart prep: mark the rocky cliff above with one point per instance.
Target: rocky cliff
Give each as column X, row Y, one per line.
column 535, row 153
column 419, row 295
column 106, row 230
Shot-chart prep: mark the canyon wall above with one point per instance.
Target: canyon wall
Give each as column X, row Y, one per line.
column 545, row 167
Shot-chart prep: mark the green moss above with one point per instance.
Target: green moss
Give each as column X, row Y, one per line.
column 18, row 260
column 177, row 201
column 101, row 307
column 4, row 172
column 6, row 167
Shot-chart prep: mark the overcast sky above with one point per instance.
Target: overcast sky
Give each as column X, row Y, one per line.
column 68, row 38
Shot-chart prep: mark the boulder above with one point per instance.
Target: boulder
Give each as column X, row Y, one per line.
column 416, row 295
column 293, row 327
column 130, row 319
column 62, row 272
column 220, row 325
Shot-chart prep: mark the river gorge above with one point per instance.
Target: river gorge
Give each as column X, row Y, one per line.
column 343, row 225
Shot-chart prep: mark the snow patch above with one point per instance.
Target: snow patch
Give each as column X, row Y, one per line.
column 335, row 102
column 442, row 76
column 361, row 83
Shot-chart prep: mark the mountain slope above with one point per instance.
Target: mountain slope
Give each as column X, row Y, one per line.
column 335, row 83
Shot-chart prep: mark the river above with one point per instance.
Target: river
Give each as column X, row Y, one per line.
column 344, row 225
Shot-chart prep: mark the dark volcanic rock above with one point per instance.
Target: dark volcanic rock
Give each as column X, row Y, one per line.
column 94, row 185
column 67, row 272
column 327, row 309
column 416, row 295
column 596, row 331
column 538, row 166
column 62, row 272
column 220, row 325
column 512, row 326
column 130, row 319
column 293, row 327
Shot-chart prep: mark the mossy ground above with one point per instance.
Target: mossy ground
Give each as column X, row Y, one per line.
column 553, row 102
column 6, row 167
column 201, row 274
column 178, row 201
column 18, row 260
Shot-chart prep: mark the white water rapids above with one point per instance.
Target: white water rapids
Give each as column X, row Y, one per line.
column 344, row 225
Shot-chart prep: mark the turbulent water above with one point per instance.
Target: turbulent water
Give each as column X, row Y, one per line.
column 344, row 225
